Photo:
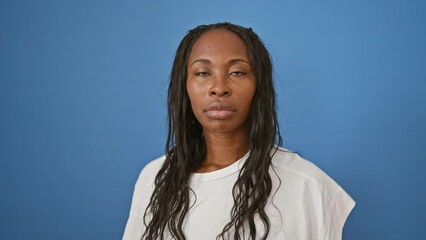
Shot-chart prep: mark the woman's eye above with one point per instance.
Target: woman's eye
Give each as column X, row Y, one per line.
column 237, row 73
column 201, row 74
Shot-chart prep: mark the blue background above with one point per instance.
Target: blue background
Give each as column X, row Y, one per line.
column 83, row 105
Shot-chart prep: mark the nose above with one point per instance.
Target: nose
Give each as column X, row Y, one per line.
column 220, row 87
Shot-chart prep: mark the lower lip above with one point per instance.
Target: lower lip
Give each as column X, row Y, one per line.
column 219, row 114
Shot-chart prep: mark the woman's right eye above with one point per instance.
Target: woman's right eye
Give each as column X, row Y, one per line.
column 202, row 74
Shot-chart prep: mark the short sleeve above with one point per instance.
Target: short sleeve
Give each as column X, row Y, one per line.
column 141, row 196
column 133, row 223
column 341, row 207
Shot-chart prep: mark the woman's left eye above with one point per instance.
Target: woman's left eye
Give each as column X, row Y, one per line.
column 237, row 73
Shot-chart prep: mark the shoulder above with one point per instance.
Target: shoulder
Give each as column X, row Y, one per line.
column 290, row 164
column 141, row 196
column 145, row 185
column 149, row 172
column 304, row 186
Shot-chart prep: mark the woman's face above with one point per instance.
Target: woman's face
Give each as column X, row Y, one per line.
column 220, row 82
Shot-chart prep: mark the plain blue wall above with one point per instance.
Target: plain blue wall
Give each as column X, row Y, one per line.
column 83, row 97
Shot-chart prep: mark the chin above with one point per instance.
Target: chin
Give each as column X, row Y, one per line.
column 223, row 127
column 219, row 128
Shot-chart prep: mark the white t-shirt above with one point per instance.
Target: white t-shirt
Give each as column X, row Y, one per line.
column 308, row 205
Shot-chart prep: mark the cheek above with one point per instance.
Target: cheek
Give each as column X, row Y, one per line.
column 192, row 89
column 246, row 96
column 194, row 98
column 248, row 107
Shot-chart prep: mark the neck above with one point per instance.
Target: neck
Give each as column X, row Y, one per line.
column 223, row 149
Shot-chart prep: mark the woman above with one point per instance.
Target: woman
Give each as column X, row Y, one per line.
column 222, row 176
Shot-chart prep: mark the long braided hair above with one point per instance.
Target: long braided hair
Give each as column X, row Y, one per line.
column 185, row 148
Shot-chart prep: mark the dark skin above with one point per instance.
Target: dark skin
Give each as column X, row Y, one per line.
column 221, row 86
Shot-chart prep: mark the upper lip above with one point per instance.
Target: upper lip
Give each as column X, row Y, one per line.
column 226, row 106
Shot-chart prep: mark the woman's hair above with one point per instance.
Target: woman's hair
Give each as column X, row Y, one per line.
column 185, row 148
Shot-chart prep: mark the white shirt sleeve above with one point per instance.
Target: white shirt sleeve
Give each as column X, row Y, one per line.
column 141, row 196
column 133, row 223
column 342, row 205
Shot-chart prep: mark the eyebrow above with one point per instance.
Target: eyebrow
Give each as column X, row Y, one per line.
column 232, row 61
column 200, row 60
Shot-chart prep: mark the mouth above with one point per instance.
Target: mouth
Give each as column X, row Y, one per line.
column 219, row 110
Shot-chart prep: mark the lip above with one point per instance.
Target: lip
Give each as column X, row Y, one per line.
column 219, row 110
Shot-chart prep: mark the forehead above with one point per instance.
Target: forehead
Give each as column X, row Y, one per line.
column 219, row 43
